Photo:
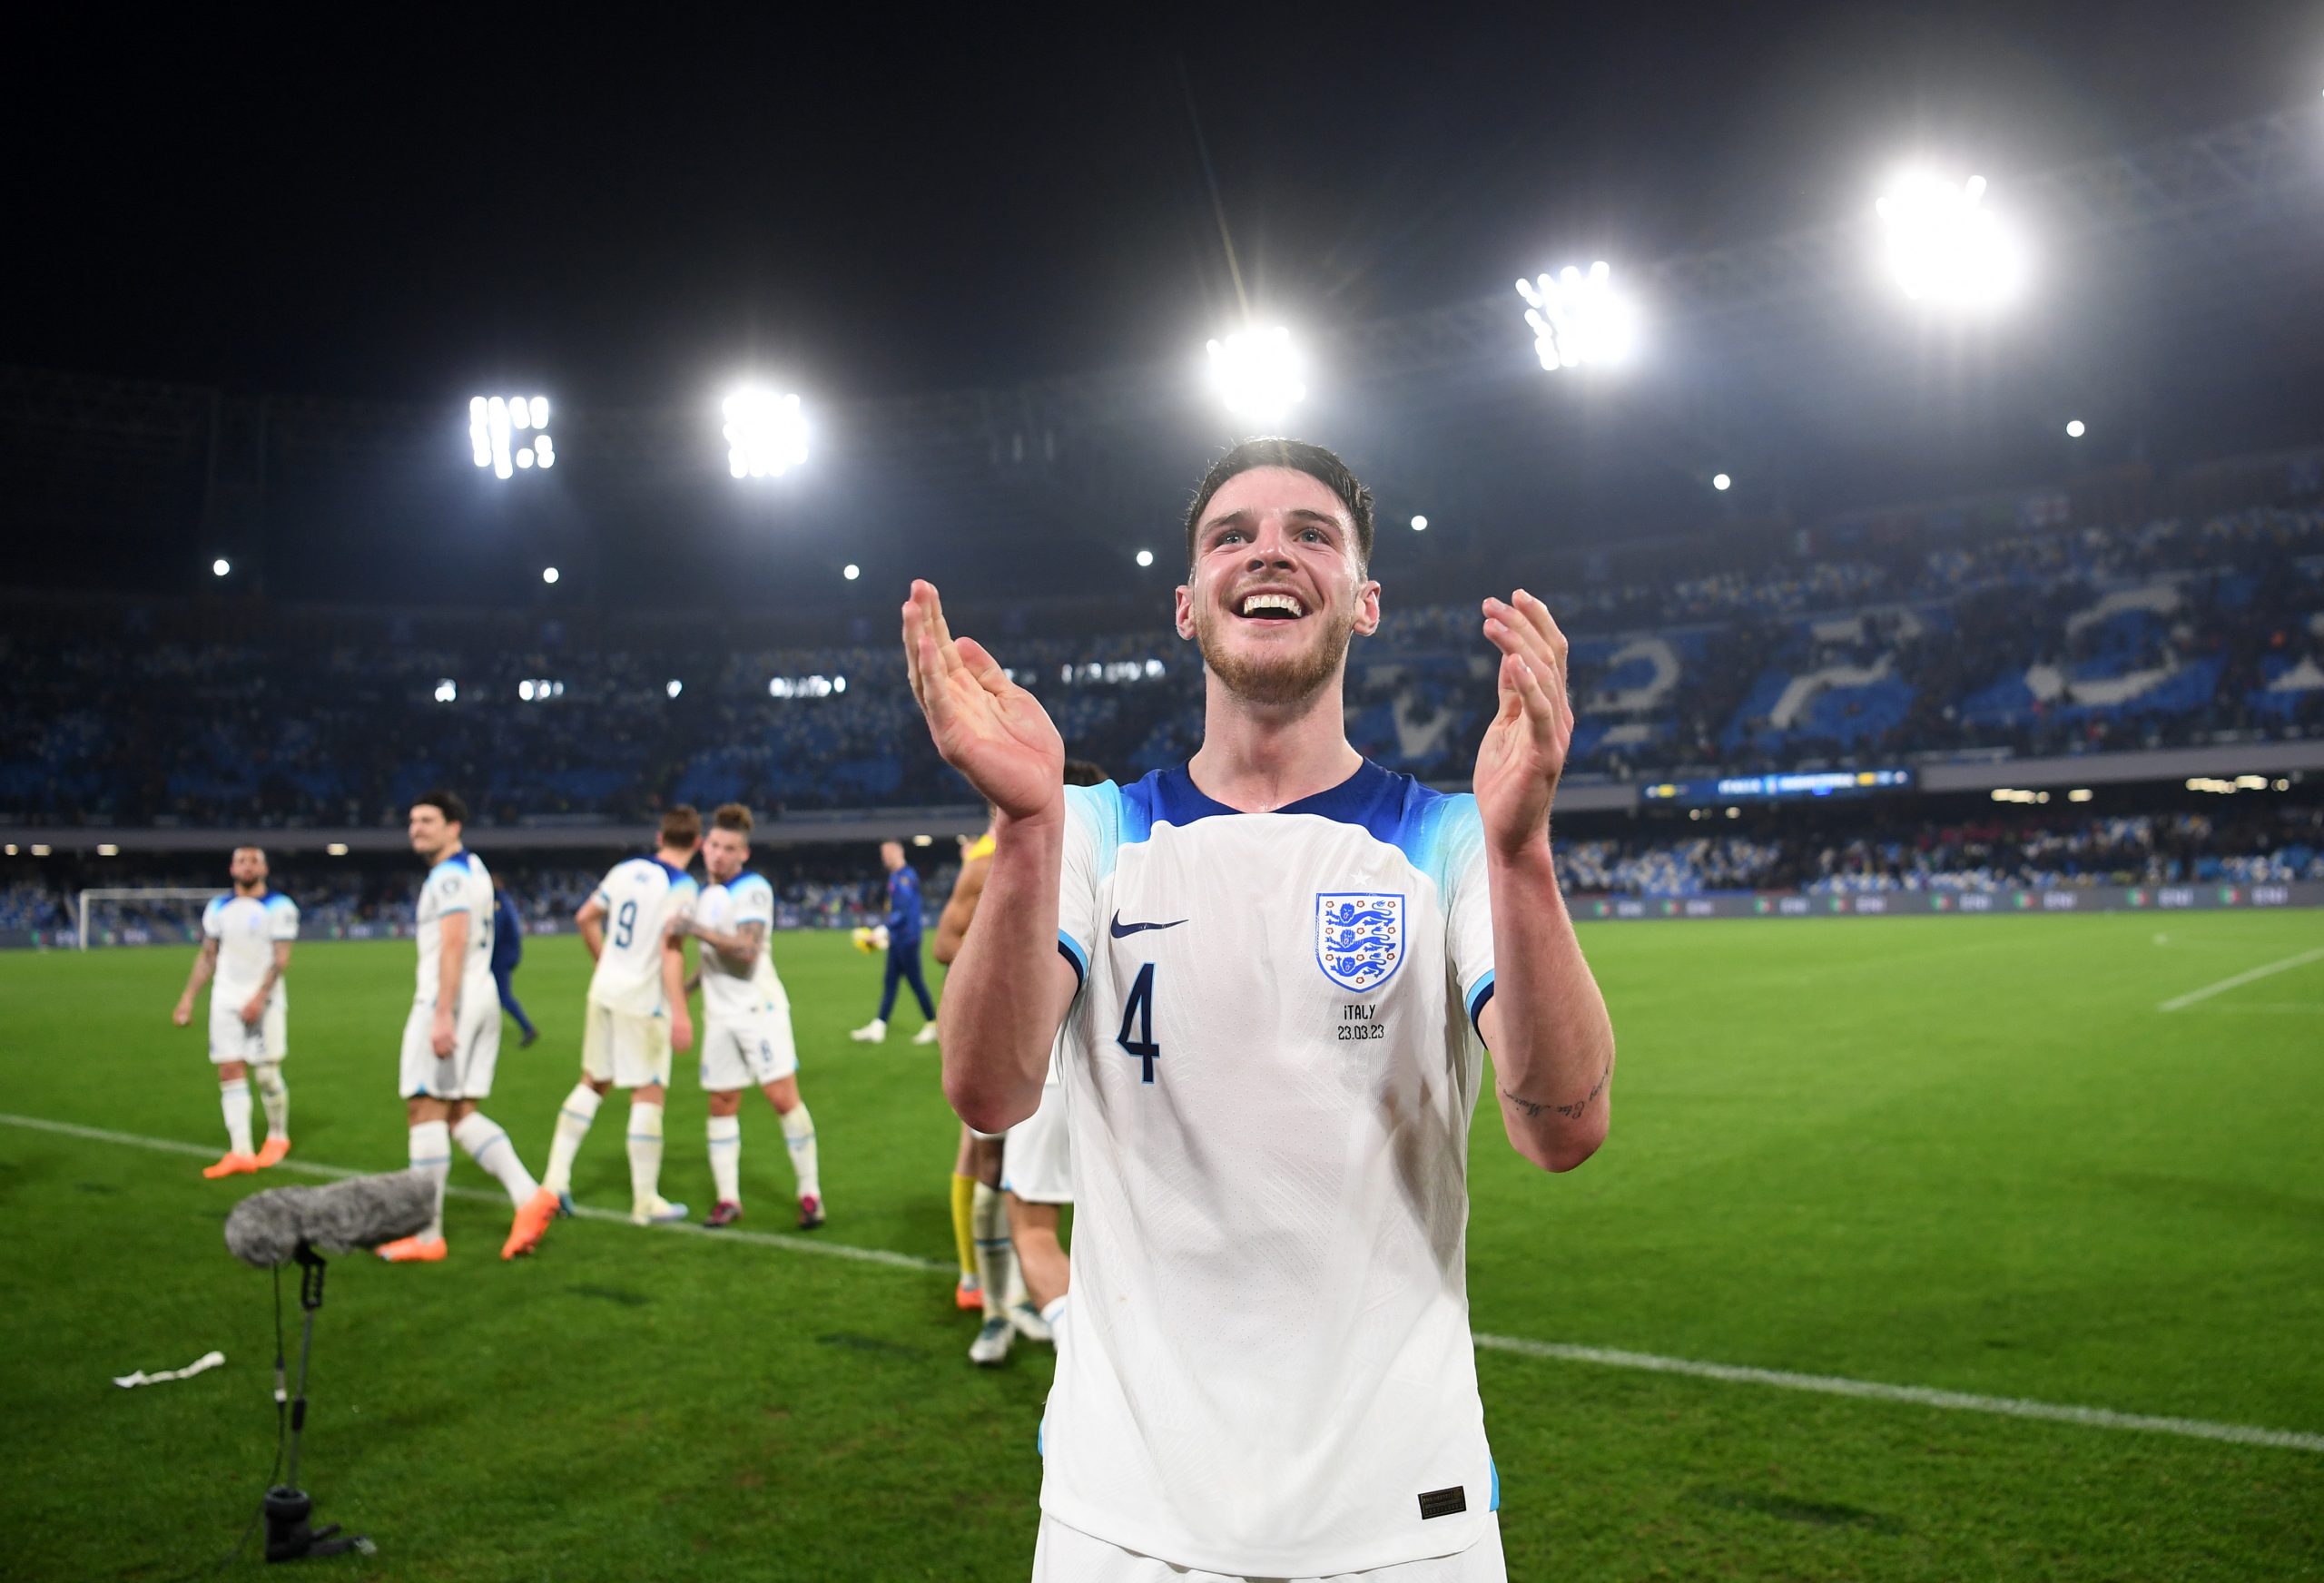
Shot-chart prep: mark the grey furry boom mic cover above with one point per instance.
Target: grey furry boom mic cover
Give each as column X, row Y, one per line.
column 362, row 1211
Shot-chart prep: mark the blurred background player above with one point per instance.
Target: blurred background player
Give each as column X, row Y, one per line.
column 507, row 951
column 636, row 1011
column 976, row 1165
column 246, row 938
column 451, row 1041
column 746, row 1020
column 1037, row 1165
column 902, row 924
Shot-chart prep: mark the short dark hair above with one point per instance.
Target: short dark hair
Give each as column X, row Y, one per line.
column 447, row 803
column 1300, row 457
column 732, row 816
column 680, row 827
column 1082, row 773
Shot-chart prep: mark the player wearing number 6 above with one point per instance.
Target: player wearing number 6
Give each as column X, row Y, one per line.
column 637, row 1013
column 1281, row 966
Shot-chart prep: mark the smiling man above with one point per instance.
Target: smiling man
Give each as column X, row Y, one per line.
column 1281, row 965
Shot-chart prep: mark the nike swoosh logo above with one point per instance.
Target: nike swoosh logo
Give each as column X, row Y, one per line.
column 1121, row 928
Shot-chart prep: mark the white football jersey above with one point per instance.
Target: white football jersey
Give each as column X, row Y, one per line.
column 246, row 928
column 728, row 991
column 1267, row 1368
column 457, row 884
column 640, row 896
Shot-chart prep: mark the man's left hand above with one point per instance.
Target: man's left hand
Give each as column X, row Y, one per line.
column 1523, row 751
column 254, row 1008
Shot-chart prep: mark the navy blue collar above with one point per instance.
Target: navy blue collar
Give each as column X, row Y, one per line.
column 1178, row 801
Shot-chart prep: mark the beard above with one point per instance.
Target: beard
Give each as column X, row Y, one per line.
column 1280, row 679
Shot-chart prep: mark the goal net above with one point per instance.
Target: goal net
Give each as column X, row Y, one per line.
column 140, row 916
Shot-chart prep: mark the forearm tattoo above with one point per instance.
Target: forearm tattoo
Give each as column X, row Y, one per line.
column 1533, row 1107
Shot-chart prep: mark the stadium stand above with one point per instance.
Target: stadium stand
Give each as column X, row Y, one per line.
column 2057, row 641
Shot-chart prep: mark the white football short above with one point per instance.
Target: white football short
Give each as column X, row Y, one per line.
column 625, row 1049
column 1037, row 1163
column 748, row 1052
column 1067, row 1555
column 231, row 1039
column 466, row 1072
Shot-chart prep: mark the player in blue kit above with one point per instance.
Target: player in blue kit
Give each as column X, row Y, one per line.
column 902, row 926
column 1279, row 966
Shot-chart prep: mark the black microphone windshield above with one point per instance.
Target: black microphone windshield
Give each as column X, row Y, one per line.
column 362, row 1211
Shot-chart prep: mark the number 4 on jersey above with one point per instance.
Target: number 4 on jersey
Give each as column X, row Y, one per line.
column 1137, row 1013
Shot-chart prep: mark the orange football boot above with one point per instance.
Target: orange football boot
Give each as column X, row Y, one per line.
column 271, row 1151
column 531, row 1224
column 413, row 1249
column 230, row 1163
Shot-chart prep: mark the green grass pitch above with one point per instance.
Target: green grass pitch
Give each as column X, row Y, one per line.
column 1969, row 1153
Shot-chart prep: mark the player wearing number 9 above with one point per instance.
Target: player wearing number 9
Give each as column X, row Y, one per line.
column 637, row 1013
column 1264, row 1367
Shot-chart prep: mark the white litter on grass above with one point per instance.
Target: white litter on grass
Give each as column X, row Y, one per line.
column 207, row 1360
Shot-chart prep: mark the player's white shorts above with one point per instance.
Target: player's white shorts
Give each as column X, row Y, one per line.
column 466, row 1072
column 748, row 1051
column 624, row 1048
column 1037, row 1163
column 1067, row 1555
column 232, row 1040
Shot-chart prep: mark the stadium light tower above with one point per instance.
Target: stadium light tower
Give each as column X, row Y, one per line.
column 1944, row 246
column 509, row 433
column 1579, row 319
column 220, row 566
column 1258, row 374
column 766, row 433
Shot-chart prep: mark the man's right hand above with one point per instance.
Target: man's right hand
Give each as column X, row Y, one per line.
column 987, row 727
column 440, row 1037
column 183, row 1012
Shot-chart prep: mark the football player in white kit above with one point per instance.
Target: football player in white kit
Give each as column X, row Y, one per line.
column 246, row 940
column 451, row 1041
column 636, row 1011
column 1282, row 965
column 746, row 1020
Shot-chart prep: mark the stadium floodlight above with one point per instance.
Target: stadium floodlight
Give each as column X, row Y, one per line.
column 2075, row 429
column 850, row 571
column 1420, row 524
column 548, row 574
column 506, row 433
column 1721, row 482
column 1944, row 246
column 674, row 687
column 766, row 433
column 1258, row 374
column 1146, row 557
column 1578, row 318
column 220, row 566
column 447, row 691
column 107, row 849
column 336, row 849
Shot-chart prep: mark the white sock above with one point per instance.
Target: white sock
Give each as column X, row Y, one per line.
column 726, row 1157
column 995, row 1256
column 799, row 1132
column 432, row 1156
column 487, row 1142
column 1054, row 1315
column 645, row 1153
column 234, row 1099
column 573, row 1119
column 275, row 1094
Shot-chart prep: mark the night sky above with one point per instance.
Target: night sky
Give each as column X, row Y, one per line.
column 629, row 213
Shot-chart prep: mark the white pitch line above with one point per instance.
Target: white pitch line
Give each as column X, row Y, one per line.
column 1603, row 1357
column 1919, row 1395
column 2208, row 990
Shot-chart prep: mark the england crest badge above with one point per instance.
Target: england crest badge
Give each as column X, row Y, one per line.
column 1359, row 938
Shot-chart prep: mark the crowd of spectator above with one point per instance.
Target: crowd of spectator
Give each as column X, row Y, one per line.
column 2035, row 641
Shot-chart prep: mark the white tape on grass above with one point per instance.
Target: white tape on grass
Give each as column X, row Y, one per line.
column 1602, row 1357
column 2181, row 1002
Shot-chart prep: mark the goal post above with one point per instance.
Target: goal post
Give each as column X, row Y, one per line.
column 132, row 894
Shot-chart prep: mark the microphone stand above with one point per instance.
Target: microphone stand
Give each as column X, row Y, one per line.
column 288, row 1537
